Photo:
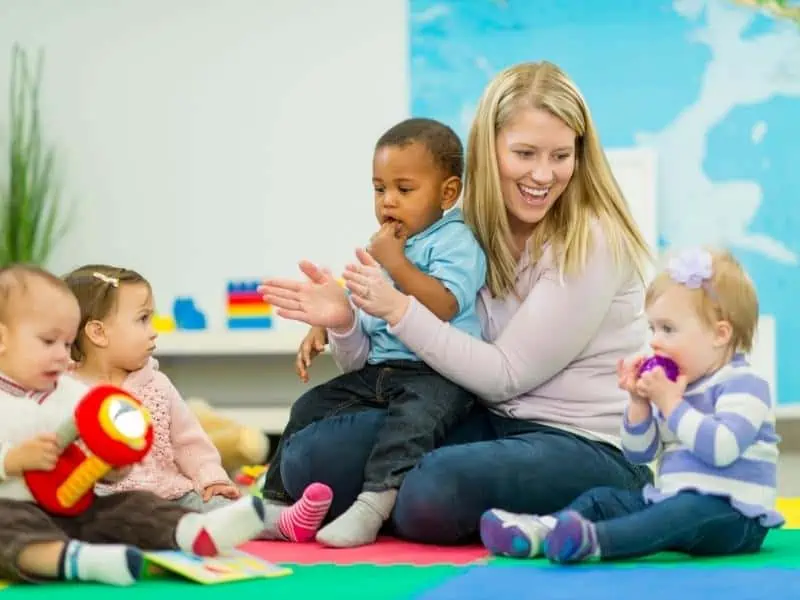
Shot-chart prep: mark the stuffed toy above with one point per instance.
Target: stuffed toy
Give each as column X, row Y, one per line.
column 238, row 444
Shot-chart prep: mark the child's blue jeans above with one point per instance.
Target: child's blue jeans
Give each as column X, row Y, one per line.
column 688, row 522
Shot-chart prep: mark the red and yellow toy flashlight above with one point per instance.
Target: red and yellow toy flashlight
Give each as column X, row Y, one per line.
column 109, row 429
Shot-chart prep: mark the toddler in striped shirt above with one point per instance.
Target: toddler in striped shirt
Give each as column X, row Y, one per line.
column 712, row 431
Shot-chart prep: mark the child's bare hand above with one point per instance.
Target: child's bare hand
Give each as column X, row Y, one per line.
column 312, row 345
column 39, row 453
column 387, row 245
column 628, row 375
column 228, row 490
column 661, row 391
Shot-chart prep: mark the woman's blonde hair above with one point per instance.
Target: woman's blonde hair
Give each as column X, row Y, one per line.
column 591, row 194
column 97, row 289
column 727, row 294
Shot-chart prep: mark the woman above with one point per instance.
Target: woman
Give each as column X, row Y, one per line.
column 563, row 302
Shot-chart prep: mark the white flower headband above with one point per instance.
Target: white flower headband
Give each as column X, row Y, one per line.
column 693, row 269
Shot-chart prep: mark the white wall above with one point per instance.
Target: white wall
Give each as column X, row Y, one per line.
column 212, row 140
column 204, row 141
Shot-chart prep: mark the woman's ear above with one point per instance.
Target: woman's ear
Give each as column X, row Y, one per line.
column 451, row 190
column 95, row 332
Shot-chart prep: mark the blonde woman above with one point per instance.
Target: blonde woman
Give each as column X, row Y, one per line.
column 563, row 303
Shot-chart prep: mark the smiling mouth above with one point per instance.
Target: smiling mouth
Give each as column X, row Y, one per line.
column 533, row 195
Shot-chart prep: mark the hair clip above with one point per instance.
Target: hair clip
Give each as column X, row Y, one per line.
column 106, row 279
column 692, row 268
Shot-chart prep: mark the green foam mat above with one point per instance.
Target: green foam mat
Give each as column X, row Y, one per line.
column 357, row 582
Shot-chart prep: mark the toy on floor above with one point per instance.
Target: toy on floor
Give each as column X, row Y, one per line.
column 251, row 478
column 238, row 445
column 109, row 429
column 669, row 366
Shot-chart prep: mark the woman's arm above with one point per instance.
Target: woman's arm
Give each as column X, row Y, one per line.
column 350, row 348
column 553, row 324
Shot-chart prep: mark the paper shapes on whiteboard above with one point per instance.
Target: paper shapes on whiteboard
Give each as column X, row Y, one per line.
column 245, row 308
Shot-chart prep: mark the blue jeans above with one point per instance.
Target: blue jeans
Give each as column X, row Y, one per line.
column 486, row 462
column 688, row 522
column 419, row 408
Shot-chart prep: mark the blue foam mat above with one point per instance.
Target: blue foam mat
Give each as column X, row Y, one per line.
column 597, row 583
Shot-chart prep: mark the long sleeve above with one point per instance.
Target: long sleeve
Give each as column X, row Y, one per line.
column 720, row 438
column 350, row 349
column 557, row 319
column 641, row 443
column 195, row 455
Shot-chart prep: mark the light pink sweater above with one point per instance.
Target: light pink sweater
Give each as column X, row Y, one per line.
column 182, row 459
column 551, row 354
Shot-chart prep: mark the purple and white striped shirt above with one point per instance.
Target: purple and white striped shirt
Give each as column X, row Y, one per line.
column 720, row 440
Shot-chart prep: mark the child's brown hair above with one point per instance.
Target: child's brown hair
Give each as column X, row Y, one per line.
column 97, row 288
column 728, row 295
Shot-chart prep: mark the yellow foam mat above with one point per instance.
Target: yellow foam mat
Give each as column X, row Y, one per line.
column 790, row 509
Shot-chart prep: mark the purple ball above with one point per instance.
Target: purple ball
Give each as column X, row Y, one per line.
column 669, row 366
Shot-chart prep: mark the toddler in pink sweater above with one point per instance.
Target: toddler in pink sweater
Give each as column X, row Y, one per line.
column 115, row 343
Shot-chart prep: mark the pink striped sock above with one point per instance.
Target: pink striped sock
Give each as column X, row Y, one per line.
column 300, row 521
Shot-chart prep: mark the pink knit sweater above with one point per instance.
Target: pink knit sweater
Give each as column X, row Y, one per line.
column 183, row 459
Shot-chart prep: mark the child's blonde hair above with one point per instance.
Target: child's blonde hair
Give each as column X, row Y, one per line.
column 591, row 194
column 14, row 280
column 97, row 289
column 727, row 294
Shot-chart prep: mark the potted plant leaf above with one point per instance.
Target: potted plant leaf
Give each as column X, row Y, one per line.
column 31, row 220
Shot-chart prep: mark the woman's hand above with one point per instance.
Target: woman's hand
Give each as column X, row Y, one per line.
column 319, row 301
column 373, row 292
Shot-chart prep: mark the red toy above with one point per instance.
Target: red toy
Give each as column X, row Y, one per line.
column 110, row 429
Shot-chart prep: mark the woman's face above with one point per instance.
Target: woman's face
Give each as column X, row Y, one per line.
column 536, row 160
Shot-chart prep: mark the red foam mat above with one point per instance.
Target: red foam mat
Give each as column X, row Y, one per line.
column 386, row 551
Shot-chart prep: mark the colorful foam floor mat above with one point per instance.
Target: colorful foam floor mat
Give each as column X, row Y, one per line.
column 394, row 570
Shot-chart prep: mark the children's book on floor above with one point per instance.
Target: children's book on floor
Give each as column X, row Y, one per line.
column 234, row 566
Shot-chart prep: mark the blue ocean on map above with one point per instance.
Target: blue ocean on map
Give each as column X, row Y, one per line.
column 712, row 86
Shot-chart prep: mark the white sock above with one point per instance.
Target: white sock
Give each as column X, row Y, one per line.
column 221, row 530
column 114, row 564
column 361, row 523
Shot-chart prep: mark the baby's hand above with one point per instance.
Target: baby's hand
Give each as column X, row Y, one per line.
column 310, row 347
column 628, row 375
column 39, row 453
column 661, row 391
column 387, row 246
column 221, row 489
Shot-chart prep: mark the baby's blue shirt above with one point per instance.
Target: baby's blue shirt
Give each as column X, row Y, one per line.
column 448, row 251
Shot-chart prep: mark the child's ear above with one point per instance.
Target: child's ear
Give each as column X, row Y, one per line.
column 95, row 332
column 451, row 190
column 723, row 332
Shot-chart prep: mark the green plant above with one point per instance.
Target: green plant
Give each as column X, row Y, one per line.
column 30, row 213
